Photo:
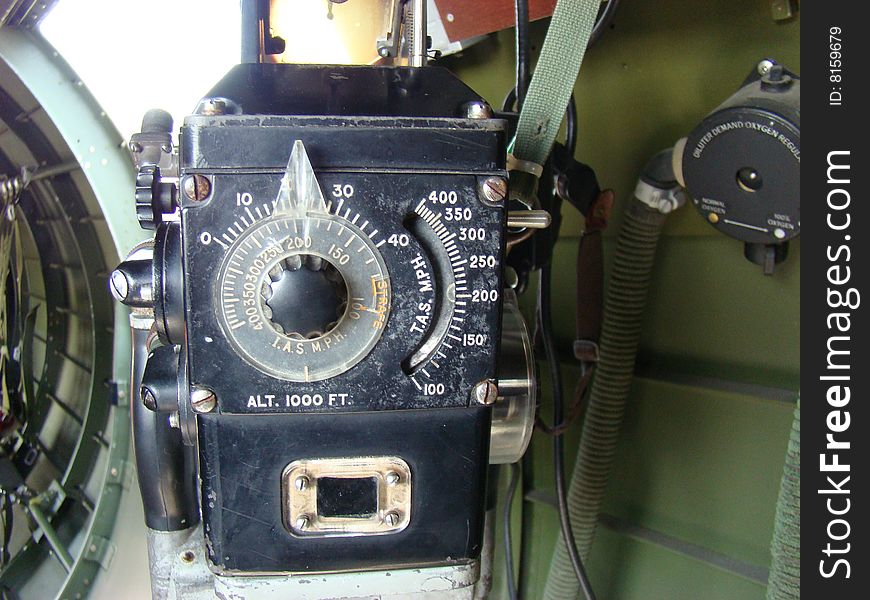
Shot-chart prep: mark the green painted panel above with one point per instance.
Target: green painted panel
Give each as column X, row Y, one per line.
column 623, row 568
column 702, row 466
column 710, row 311
column 658, row 574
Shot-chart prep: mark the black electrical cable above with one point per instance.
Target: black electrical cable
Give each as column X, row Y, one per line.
column 603, row 21
column 524, row 51
column 545, row 324
column 523, row 48
column 513, row 594
column 508, row 104
column 571, row 126
column 516, row 97
column 558, row 417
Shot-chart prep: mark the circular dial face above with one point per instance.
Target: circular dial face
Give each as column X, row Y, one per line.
column 742, row 169
column 303, row 298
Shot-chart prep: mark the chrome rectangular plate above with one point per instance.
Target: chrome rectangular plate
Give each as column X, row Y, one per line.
column 299, row 485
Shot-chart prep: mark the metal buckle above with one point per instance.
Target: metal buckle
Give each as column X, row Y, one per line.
column 586, row 351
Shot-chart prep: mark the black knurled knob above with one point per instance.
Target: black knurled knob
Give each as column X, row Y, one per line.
column 153, row 198
column 305, row 297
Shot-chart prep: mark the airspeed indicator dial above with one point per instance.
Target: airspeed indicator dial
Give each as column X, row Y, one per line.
column 303, row 295
column 304, row 306
column 348, row 291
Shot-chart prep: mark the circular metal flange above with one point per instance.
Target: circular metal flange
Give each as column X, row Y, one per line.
column 513, row 414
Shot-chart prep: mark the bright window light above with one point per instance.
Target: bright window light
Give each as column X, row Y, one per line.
column 316, row 32
column 135, row 55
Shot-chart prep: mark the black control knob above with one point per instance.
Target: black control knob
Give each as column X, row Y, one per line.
column 153, row 197
column 159, row 388
column 132, row 282
column 306, row 297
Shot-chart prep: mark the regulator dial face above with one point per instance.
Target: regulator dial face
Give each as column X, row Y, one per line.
column 303, row 295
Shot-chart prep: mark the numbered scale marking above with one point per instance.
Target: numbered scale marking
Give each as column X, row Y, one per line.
column 304, row 293
column 358, row 301
column 449, row 331
column 330, row 258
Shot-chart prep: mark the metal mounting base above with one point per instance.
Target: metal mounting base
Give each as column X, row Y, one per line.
column 179, row 570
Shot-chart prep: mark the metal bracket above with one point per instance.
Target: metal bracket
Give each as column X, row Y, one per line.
column 662, row 200
column 783, row 10
column 586, row 351
column 118, row 393
column 389, row 46
column 100, row 550
column 120, row 473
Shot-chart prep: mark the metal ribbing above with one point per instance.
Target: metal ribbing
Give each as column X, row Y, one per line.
column 623, row 314
column 785, row 549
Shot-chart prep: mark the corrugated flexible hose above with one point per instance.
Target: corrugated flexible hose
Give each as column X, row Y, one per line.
column 624, row 306
column 785, row 566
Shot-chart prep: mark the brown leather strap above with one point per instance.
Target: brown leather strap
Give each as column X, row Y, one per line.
column 590, row 306
column 575, row 410
column 590, row 280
